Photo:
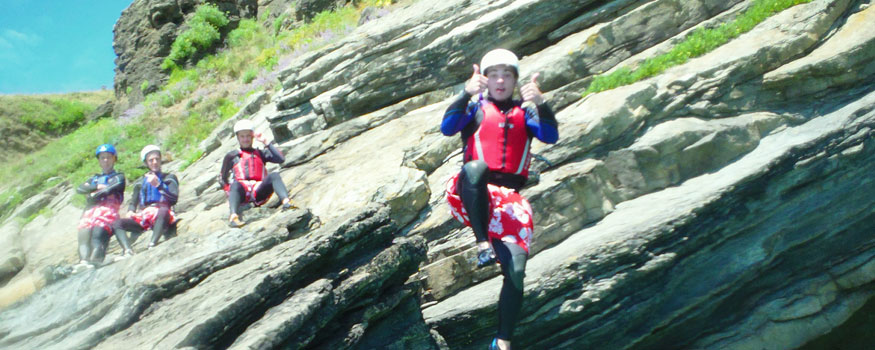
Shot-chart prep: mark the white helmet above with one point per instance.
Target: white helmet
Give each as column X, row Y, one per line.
column 148, row 149
column 243, row 124
column 498, row 57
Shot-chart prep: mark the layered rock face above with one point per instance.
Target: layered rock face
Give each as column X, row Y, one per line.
column 723, row 204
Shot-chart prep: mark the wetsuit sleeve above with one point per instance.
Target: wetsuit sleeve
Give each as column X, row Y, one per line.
column 170, row 188
column 272, row 154
column 227, row 163
column 116, row 185
column 542, row 124
column 87, row 187
column 135, row 197
column 458, row 114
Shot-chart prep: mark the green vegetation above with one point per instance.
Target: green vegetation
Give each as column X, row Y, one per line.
column 249, row 75
column 202, row 33
column 50, row 115
column 278, row 23
column 56, row 117
column 184, row 111
column 697, row 43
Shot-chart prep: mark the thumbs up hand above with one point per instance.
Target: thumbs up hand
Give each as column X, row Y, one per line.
column 531, row 92
column 477, row 83
column 152, row 179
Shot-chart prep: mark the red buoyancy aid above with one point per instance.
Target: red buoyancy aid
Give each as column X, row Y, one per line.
column 502, row 141
column 250, row 166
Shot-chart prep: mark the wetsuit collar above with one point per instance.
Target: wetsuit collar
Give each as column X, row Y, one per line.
column 503, row 106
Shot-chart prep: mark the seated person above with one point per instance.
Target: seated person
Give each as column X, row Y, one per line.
column 251, row 183
column 152, row 202
column 104, row 194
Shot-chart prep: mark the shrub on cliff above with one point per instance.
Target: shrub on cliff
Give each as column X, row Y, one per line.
column 202, row 33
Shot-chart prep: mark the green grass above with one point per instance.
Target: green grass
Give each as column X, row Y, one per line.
column 697, row 43
column 53, row 114
column 202, row 33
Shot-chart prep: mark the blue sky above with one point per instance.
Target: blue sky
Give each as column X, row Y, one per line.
column 49, row 46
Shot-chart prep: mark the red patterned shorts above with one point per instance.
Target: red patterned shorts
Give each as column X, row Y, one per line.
column 511, row 213
column 146, row 217
column 101, row 215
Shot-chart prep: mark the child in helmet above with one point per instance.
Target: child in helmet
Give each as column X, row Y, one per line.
column 154, row 197
column 496, row 132
column 104, row 193
column 250, row 182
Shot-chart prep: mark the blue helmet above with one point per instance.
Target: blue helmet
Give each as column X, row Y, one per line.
column 105, row 148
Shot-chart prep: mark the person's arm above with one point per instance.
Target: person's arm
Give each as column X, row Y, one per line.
column 227, row 163
column 116, row 184
column 170, row 188
column 458, row 114
column 86, row 187
column 542, row 124
column 272, row 154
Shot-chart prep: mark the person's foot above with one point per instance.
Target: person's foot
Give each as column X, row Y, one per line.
column 499, row 344
column 127, row 254
column 287, row 204
column 81, row 266
column 150, row 246
column 485, row 257
column 234, row 221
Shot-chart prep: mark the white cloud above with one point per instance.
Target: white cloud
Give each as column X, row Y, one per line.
column 14, row 36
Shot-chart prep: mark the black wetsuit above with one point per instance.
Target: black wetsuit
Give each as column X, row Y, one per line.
column 93, row 241
column 465, row 116
column 169, row 190
column 273, row 183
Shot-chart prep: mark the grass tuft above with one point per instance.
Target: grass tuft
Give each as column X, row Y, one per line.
column 697, row 43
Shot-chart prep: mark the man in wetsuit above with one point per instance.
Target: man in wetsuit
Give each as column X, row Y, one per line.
column 497, row 131
column 244, row 176
column 154, row 197
column 104, row 193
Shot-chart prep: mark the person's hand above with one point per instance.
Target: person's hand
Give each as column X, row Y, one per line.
column 531, row 92
column 100, row 186
column 152, row 179
column 260, row 138
column 477, row 83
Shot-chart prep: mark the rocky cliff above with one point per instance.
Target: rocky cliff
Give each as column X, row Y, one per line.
column 147, row 28
column 723, row 204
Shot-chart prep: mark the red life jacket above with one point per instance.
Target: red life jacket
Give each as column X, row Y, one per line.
column 249, row 167
column 502, row 141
